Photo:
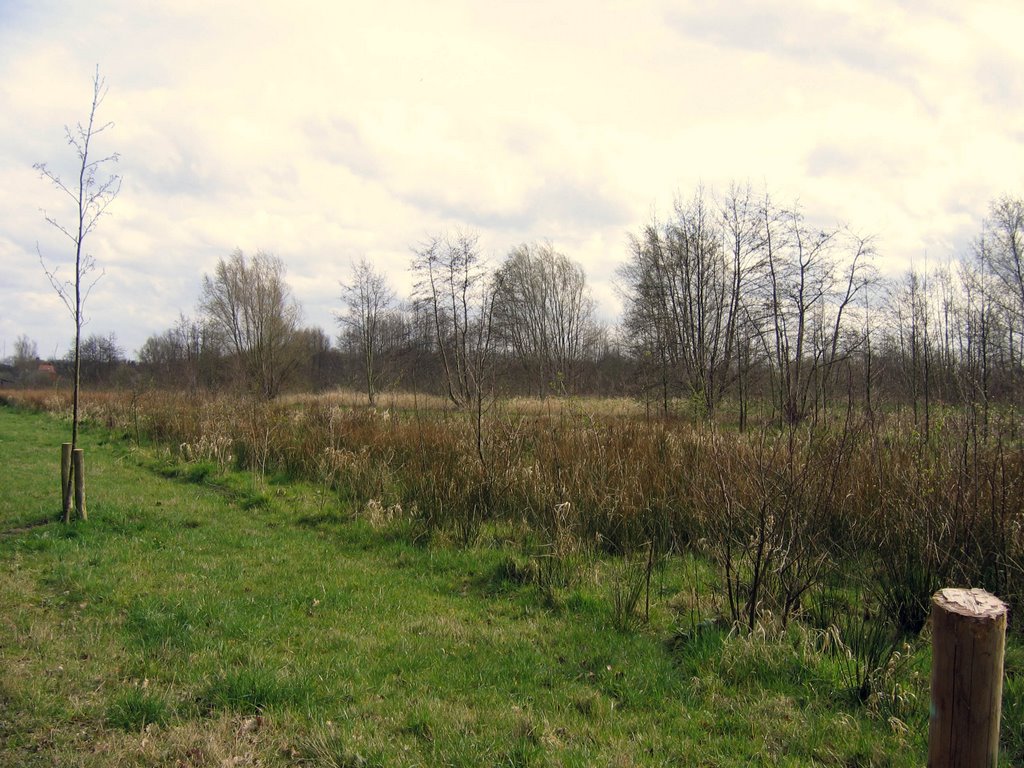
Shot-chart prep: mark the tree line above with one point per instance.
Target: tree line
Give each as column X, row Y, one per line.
column 466, row 331
column 728, row 299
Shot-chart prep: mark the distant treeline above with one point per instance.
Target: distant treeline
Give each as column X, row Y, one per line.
column 728, row 299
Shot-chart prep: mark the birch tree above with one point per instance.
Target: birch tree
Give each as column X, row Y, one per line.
column 90, row 192
column 367, row 299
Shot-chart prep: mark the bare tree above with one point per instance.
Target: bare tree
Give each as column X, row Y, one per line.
column 26, row 352
column 175, row 356
column 645, row 322
column 100, row 356
column 318, row 361
column 248, row 303
column 1003, row 259
column 911, row 309
column 683, row 290
column 812, row 278
column 544, row 312
column 367, row 299
column 983, row 309
column 1005, row 254
column 452, row 284
column 91, row 193
column 740, row 221
column 455, row 292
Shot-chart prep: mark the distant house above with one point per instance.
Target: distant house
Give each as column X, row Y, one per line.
column 47, row 370
column 8, row 376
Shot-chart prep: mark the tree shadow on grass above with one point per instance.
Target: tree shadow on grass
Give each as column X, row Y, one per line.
column 29, row 526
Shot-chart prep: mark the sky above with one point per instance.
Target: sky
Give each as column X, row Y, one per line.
column 324, row 132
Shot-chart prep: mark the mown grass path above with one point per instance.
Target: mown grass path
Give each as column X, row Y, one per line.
column 196, row 620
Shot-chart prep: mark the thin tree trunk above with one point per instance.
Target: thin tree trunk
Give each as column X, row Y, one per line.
column 78, row 464
column 65, row 481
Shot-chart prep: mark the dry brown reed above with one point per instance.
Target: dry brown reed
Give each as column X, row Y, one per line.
column 866, row 502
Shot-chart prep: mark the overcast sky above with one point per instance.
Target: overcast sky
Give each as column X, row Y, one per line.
column 323, row 132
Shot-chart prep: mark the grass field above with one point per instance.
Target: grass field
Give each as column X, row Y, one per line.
column 203, row 617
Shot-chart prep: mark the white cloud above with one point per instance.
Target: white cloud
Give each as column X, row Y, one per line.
column 325, row 131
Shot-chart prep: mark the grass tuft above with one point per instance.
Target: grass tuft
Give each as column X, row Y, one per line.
column 326, row 749
column 200, row 471
column 252, row 690
column 135, row 708
column 158, row 626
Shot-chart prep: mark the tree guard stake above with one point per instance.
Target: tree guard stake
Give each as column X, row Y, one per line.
column 968, row 644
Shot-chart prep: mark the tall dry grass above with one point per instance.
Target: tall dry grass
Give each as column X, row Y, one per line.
column 782, row 512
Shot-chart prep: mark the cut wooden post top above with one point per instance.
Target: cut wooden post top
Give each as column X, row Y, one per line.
column 972, row 603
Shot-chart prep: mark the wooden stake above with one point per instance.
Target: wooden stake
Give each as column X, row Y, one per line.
column 78, row 461
column 968, row 643
column 65, row 481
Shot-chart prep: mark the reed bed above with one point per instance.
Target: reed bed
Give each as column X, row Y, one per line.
column 782, row 513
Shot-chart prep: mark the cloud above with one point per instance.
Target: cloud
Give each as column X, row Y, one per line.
column 868, row 159
column 323, row 132
column 340, row 141
column 804, row 31
column 890, row 40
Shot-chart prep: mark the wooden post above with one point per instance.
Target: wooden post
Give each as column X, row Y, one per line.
column 65, row 481
column 968, row 642
column 78, row 462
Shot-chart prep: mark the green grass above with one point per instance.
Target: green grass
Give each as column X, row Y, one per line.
column 135, row 708
column 200, row 617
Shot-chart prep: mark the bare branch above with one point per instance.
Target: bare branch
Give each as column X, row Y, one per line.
column 91, row 197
